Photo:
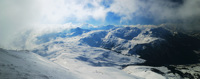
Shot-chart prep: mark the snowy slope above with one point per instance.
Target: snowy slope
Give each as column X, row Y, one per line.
column 157, row 45
column 111, row 53
column 120, row 39
column 27, row 65
column 88, row 62
column 91, row 62
column 148, row 72
column 95, row 62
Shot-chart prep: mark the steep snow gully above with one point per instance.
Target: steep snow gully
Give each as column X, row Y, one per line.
column 116, row 52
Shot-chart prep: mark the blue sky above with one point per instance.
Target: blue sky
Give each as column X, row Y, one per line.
column 108, row 10
column 117, row 12
column 15, row 13
column 18, row 16
column 98, row 12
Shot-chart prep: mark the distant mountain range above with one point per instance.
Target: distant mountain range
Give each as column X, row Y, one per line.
column 145, row 45
column 108, row 52
column 158, row 46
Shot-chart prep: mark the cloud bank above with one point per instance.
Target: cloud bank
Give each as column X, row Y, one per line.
column 79, row 11
column 18, row 16
column 160, row 11
column 185, row 12
column 15, row 15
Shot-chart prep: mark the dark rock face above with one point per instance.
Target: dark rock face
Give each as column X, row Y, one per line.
column 177, row 51
column 169, row 48
column 189, row 71
column 174, row 49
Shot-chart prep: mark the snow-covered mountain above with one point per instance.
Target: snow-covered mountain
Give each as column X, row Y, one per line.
column 119, row 39
column 27, row 65
column 156, row 45
column 106, row 53
column 63, row 34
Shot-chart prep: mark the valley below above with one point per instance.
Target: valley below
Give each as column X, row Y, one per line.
column 113, row 53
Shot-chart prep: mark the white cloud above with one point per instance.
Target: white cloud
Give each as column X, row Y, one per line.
column 56, row 11
column 18, row 15
column 187, row 12
column 125, row 8
column 15, row 16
